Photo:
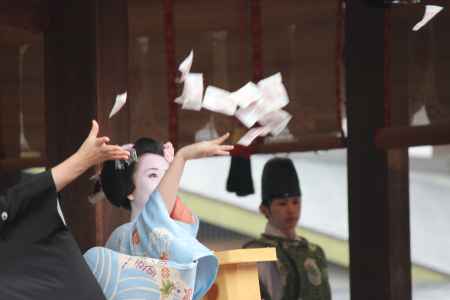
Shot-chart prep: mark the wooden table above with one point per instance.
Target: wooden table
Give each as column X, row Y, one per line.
column 238, row 275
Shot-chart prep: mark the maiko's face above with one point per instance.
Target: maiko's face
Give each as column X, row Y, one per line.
column 149, row 172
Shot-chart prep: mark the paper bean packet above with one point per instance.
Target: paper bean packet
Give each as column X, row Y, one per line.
column 219, row 100
column 185, row 66
column 430, row 12
column 192, row 95
column 120, row 101
column 246, row 95
column 276, row 121
column 252, row 134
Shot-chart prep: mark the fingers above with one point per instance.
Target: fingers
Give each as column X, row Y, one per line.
column 116, row 156
column 224, row 150
column 94, row 130
column 221, row 139
column 219, row 150
column 128, row 147
column 114, row 148
column 115, row 152
column 227, row 147
column 102, row 140
column 222, row 153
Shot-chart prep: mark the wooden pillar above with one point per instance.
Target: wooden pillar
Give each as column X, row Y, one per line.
column 377, row 222
column 112, row 79
column 9, row 102
column 9, row 111
column 86, row 66
column 397, row 45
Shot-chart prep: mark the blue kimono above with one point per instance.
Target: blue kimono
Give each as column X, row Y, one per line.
column 156, row 247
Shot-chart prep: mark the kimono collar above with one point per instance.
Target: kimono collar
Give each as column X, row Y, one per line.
column 273, row 231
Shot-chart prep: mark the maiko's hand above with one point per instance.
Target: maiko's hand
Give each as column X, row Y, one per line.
column 96, row 150
column 206, row 149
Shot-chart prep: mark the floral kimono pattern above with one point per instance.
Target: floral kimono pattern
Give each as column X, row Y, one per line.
column 125, row 277
column 157, row 236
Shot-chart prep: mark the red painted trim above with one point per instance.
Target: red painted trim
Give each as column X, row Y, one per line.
column 339, row 58
column 257, row 44
column 169, row 38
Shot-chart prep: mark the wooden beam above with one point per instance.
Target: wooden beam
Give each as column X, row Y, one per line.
column 14, row 164
column 410, row 136
column 13, row 37
column 375, row 240
column 304, row 144
column 29, row 15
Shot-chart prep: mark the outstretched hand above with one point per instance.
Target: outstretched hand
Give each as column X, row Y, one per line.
column 206, row 149
column 96, row 150
column 171, row 180
column 93, row 151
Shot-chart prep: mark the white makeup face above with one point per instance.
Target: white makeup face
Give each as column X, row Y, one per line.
column 147, row 175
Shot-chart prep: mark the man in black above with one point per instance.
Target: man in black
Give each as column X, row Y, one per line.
column 39, row 258
column 301, row 269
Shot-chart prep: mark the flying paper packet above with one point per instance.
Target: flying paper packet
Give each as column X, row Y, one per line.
column 121, row 99
column 430, row 12
column 191, row 97
column 254, row 112
column 252, row 134
column 185, row 66
column 247, row 95
column 274, row 92
column 219, row 100
column 248, row 115
column 276, row 121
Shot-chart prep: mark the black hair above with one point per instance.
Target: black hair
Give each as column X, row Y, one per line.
column 117, row 183
column 279, row 180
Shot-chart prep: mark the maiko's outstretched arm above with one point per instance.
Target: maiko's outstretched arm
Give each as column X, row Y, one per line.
column 168, row 187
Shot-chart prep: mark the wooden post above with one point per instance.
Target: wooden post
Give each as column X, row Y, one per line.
column 9, row 112
column 397, row 43
column 374, row 221
column 86, row 66
column 9, row 103
column 71, row 96
column 112, row 79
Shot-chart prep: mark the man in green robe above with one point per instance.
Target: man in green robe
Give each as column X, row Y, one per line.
column 301, row 269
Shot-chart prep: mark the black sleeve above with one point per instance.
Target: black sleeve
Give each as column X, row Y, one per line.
column 24, row 198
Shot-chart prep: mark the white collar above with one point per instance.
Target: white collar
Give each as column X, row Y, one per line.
column 273, row 231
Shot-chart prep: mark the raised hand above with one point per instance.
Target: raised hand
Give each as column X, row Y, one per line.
column 96, row 150
column 93, row 151
column 171, row 180
column 206, row 148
